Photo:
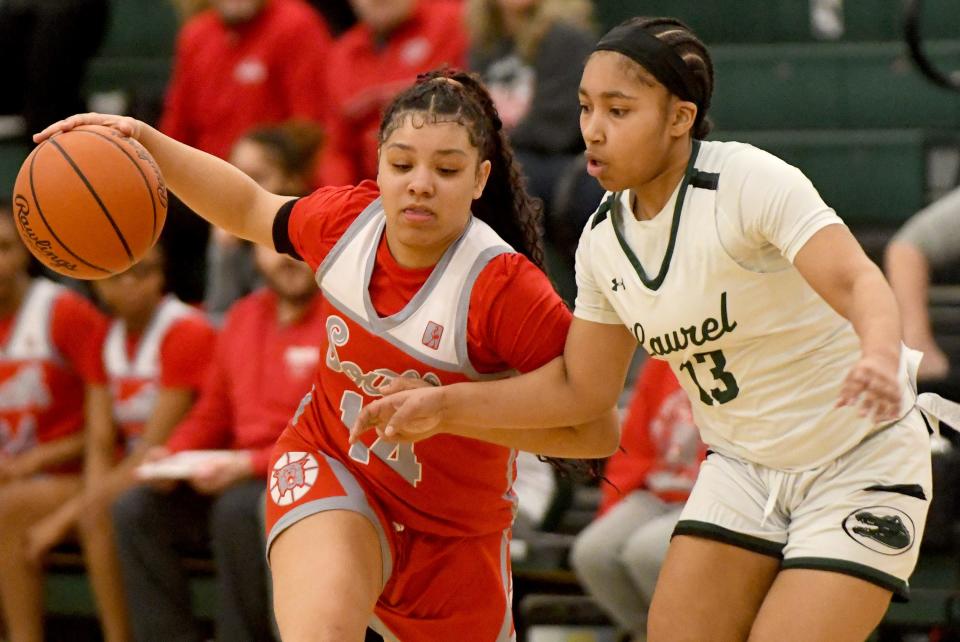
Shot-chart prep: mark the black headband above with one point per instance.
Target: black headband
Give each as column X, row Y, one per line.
column 655, row 56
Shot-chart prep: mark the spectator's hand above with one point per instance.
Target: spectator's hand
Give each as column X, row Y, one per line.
column 44, row 535
column 123, row 124
column 219, row 474
column 873, row 385
column 410, row 410
column 160, row 485
column 934, row 364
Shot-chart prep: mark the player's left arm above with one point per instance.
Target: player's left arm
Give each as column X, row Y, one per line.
column 777, row 204
column 835, row 266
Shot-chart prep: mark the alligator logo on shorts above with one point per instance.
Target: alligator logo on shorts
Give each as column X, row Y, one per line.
column 292, row 476
column 882, row 529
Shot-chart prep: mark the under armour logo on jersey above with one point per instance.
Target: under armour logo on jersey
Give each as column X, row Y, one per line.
column 617, row 284
column 431, row 336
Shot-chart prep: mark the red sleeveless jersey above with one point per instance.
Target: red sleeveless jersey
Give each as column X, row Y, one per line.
column 50, row 350
column 482, row 311
column 172, row 352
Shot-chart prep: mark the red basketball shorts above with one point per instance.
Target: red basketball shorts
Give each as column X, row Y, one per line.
column 436, row 587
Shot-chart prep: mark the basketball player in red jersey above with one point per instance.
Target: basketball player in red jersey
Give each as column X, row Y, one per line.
column 412, row 539
column 155, row 355
column 51, row 384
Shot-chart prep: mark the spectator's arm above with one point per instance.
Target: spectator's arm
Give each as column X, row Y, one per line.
column 208, row 425
column 930, row 239
column 909, row 274
column 101, row 434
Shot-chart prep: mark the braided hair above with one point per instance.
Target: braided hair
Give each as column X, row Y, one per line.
column 685, row 43
column 448, row 95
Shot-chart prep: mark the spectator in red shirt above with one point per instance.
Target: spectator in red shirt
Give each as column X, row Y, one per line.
column 51, row 384
column 155, row 355
column 393, row 41
column 264, row 359
column 618, row 556
column 244, row 63
column 238, row 65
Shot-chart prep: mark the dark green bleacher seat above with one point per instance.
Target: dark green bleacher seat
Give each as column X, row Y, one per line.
column 12, row 155
column 140, row 29
column 141, row 75
column 760, row 21
column 867, row 176
column 826, row 86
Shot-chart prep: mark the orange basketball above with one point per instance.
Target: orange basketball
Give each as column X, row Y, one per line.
column 89, row 202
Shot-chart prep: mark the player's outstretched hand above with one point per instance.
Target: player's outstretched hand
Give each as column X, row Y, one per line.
column 123, row 124
column 872, row 385
column 409, row 410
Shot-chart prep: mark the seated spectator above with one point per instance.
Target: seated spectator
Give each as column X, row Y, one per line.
column 530, row 53
column 45, row 47
column 264, row 360
column 930, row 239
column 535, row 487
column 618, row 556
column 51, row 384
column 370, row 63
column 156, row 352
column 280, row 159
column 238, row 65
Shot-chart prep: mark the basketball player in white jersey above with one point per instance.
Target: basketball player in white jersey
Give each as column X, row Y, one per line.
column 724, row 261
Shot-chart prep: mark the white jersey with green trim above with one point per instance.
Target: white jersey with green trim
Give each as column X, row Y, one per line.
column 709, row 286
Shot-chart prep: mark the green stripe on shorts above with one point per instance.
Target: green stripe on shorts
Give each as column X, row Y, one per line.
column 707, row 530
column 884, row 580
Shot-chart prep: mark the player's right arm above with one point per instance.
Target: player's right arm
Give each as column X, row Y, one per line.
column 571, row 390
column 211, row 187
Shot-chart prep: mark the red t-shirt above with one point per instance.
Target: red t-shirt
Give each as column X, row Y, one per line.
column 42, row 399
column 259, row 373
column 660, row 448
column 366, row 72
column 227, row 80
column 515, row 321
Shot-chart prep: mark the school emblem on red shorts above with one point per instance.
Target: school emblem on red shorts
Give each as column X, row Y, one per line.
column 292, row 476
column 431, row 336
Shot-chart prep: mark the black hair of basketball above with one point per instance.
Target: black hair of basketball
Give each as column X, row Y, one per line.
column 450, row 95
column 681, row 38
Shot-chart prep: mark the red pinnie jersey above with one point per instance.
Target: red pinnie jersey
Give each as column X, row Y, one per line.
column 446, row 485
column 173, row 351
column 49, row 351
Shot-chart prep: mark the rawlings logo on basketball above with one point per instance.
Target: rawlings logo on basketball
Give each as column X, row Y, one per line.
column 293, row 475
column 431, row 336
column 42, row 246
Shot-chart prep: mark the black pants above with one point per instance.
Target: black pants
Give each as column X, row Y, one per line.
column 153, row 528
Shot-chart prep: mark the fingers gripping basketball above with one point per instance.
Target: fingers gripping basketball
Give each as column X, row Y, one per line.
column 89, row 202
